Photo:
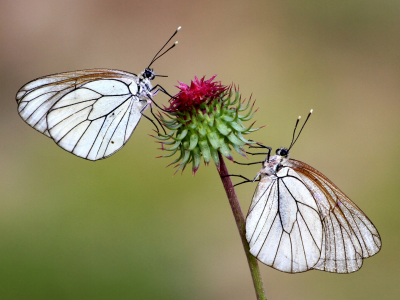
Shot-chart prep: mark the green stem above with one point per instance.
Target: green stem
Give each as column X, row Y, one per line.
column 240, row 222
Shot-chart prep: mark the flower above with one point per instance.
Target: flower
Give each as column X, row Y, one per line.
column 199, row 92
column 203, row 120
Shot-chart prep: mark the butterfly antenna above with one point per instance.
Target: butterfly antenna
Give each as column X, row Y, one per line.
column 294, row 131
column 176, row 43
column 309, row 114
column 155, row 56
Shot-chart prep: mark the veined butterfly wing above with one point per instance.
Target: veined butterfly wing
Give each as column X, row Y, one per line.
column 283, row 227
column 299, row 220
column 349, row 235
column 90, row 113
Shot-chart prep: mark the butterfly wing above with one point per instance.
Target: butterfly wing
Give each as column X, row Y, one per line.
column 90, row 113
column 348, row 235
column 283, row 226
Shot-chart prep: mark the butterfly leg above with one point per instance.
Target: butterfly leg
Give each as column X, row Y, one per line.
column 150, row 121
column 261, row 153
column 260, row 146
column 247, row 164
column 151, row 110
column 160, row 88
column 241, row 176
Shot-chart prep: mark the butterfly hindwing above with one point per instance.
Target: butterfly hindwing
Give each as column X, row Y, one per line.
column 90, row 113
column 349, row 236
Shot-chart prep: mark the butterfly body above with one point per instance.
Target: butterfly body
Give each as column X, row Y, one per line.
column 299, row 220
column 144, row 85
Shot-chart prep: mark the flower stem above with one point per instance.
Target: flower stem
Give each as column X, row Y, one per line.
column 240, row 222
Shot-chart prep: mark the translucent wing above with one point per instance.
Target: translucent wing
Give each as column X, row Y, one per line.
column 283, row 226
column 299, row 220
column 90, row 113
column 349, row 236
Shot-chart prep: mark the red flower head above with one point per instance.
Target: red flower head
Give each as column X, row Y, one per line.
column 204, row 120
column 199, row 92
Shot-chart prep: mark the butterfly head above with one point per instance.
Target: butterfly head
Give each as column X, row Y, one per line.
column 284, row 152
column 273, row 164
column 148, row 74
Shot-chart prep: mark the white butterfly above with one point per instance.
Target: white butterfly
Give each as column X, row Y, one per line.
column 299, row 220
column 90, row 113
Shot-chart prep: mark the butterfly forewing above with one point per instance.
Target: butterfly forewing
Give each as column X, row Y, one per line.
column 90, row 113
column 299, row 220
column 284, row 229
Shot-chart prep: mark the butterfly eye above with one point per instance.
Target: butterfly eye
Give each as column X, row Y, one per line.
column 282, row 152
column 149, row 73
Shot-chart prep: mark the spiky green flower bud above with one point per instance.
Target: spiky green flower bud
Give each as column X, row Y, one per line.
column 205, row 118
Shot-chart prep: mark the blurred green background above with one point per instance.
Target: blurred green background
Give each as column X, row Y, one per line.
column 124, row 227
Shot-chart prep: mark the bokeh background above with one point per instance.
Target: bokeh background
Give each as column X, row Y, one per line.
column 125, row 227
